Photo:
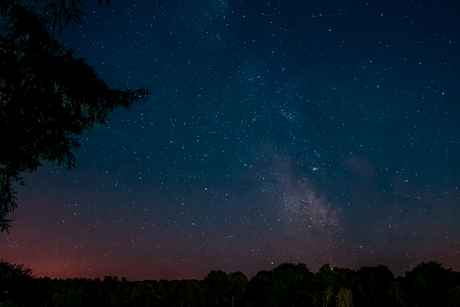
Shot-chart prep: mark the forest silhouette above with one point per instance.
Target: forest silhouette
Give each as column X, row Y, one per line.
column 428, row 284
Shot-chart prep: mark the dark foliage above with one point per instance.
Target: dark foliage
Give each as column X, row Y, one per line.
column 47, row 96
column 13, row 280
column 375, row 286
column 288, row 283
column 429, row 284
column 54, row 12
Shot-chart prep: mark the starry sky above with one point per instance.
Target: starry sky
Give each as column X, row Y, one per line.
column 276, row 131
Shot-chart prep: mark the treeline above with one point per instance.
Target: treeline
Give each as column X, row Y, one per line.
column 428, row 284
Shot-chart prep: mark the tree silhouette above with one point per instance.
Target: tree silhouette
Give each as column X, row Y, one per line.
column 326, row 296
column 286, row 285
column 375, row 285
column 454, row 297
column 325, row 285
column 395, row 297
column 13, row 280
column 281, row 286
column 54, row 11
column 47, row 96
column 216, row 288
column 238, row 284
column 344, row 298
column 428, row 284
column 261, row 290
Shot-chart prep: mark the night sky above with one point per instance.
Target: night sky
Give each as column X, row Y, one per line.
column 276, row 131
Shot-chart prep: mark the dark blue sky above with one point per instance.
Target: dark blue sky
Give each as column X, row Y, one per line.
column 286, row 131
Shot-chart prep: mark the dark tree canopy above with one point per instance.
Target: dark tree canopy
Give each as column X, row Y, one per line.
column 13, row 280
column 292, row 285
column 48, row 97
